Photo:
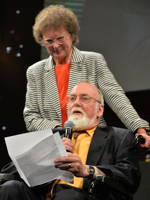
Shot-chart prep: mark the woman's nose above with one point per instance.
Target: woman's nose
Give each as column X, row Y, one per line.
column 55, row 45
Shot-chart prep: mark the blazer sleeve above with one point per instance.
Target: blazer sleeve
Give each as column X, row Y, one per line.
column 115, row 97
column 35, row 118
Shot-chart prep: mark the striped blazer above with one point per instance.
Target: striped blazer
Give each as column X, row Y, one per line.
column 42, row 107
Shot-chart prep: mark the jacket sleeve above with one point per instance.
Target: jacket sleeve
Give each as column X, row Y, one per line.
column 115, row 97
column 34, row 116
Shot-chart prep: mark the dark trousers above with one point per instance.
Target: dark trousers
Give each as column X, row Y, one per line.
column 17, row 190
column 66, row 192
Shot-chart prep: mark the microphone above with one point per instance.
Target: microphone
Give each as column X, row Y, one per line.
column 69, row 125
column 66, row 131
column 60, row 130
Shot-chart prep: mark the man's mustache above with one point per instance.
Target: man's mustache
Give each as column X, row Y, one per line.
column 77, row 110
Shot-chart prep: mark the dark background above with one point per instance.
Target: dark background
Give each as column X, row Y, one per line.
column 15, row 33
column 118, row 29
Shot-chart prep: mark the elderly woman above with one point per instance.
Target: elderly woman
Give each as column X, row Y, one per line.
column 50, row 80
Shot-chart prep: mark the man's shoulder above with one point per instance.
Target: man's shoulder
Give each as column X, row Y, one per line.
column 117, row 132
column 117, row 136
column 114, row 129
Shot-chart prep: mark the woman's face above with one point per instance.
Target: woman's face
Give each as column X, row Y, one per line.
column 59, row 44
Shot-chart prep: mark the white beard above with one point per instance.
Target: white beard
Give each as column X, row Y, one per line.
column 80, row 122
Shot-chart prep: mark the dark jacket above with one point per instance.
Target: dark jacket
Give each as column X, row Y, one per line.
column 113, row 151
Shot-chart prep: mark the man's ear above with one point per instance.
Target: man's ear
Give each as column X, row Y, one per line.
column 100, row 110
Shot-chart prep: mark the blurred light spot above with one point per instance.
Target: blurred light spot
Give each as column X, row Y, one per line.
column 12, row 31
column 8, row 49
column 4, row 128
column 18, row 54
column 21, row 46
column 17, row 12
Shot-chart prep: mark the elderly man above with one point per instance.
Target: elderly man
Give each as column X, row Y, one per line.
column 102, row 159
column 106, row 156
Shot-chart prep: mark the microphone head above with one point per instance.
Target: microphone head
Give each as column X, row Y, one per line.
column 69, row 124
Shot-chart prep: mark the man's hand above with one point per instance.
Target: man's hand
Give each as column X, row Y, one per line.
column 142, row 131
column 72, row 163
column 68, row 144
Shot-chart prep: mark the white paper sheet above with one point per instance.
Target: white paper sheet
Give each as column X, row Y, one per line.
column 33, row 154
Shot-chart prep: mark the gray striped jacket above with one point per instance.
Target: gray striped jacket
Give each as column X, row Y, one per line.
column 42, row 107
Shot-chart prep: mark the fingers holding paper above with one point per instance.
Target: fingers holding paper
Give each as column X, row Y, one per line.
column 72, row 163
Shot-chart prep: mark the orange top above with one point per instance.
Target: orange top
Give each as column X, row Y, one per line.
column 81, row 147
column 62, row 77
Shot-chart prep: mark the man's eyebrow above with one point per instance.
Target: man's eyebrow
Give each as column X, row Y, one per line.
column 82, row 94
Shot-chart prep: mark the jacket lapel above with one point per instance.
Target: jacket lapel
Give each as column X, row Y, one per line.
column 51, row 85
column 75, row 69
column 97, row 146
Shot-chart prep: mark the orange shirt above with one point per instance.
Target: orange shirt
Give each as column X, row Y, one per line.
column 62, row 77
column 81, row 147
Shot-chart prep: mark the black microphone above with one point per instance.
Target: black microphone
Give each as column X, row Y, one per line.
column 69, row 125
column 60, row 130
column 66, row 131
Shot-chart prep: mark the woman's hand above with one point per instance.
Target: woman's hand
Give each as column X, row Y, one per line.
column 142, row 131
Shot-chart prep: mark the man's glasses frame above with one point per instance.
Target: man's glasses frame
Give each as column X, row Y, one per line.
column 83, row 98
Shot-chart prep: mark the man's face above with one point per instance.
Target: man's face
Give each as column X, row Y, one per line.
column 83, row 108
column 58, row 43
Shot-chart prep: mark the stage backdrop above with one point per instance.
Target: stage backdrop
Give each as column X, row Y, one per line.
column 120, row 30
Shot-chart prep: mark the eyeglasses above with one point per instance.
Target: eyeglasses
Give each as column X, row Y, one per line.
column 49, row 42
column 82, row 98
